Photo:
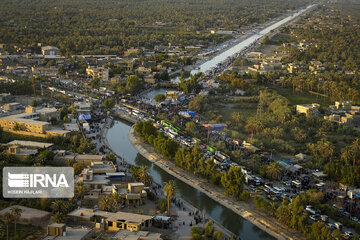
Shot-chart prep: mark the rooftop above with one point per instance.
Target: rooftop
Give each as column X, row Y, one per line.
column 27, row 213
column 126, row 235
column 30, row 144
column 89, row 157
column 118, row 216
column 20, row 118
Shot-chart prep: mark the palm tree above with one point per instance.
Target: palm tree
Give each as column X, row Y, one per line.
column 80, row 190
column 16, row 213
column 117, row 198
column 169, row 190
column 106, row 203
column 144, row 176
column 274, row 170
column 7, row 218
column 58, row 206
column 58, row 217
column 273, row 207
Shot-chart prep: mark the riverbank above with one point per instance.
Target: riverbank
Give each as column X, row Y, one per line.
column 244, row 209
column 182, row 231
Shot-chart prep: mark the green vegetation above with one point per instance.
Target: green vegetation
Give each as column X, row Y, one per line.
column 190, row 159
column 291, row 214
column 189, row 85
column 109, row 103
column 159, row 98
column 162, row 144
column 133, row 84
column 141, row 174
column 169, row 191
column 207, row 233
column 110, row 27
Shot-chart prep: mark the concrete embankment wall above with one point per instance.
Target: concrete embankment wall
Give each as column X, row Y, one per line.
column 125, row 117
column 240, row 208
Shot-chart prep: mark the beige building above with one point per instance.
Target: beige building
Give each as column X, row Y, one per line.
column 20, row 122
column 101, row 73
column 308, row 109
column 12, row 106
column 132, row 51
column 112, row 221
column 31, row 121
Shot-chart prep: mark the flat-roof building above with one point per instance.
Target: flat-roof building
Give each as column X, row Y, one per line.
column 113, row 221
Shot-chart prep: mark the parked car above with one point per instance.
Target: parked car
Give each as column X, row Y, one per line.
column 338, row 225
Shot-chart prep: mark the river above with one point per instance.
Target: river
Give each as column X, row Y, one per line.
column 117, row 137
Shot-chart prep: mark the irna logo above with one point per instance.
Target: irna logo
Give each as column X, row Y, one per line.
column 38, row 182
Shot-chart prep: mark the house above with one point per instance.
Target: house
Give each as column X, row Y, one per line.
column 133, row 194
column 12, row 106
column 112, row 221
column 59, row 231
column 33, row 121
column 49, row 51
column 83, row 107
column 31, row 144
column 340, row 105
column 308, row 109
column 101, row 73
column 24, row 123
column 150, row 79
column 87, row 159
column 4, row 97
column 45, row 71
column 132, row 51
column 92, row 181
column 102, row 167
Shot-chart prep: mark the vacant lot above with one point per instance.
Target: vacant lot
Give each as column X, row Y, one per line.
column 301, row 97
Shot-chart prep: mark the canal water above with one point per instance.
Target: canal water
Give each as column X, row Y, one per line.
column 117, row 137
column 246, row 43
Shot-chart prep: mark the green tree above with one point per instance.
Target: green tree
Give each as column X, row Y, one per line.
column 218, row 235
column 109, row 103
column 159, row 98
column 209, row 229
column 111, row 157
column 161, row 205
column 80, row 190
column 144, row 175
column 106, row 203
column 59, row 217
column 233, row 181
column 16, row 214
column 95, row 83
column 44, row 157
column 7, row 218
column 190, row 127
column 133, row 84
column 274, row 170
column 169, row 190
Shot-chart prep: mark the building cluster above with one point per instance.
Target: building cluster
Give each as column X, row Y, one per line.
column 26, row 62
column 31, row 121
column 341, row 112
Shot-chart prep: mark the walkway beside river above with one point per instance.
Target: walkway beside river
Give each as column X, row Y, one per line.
column 244, row 209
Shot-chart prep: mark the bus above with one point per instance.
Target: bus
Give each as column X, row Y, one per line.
column 175, row 128
column 211, row 148
column 165, row 123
